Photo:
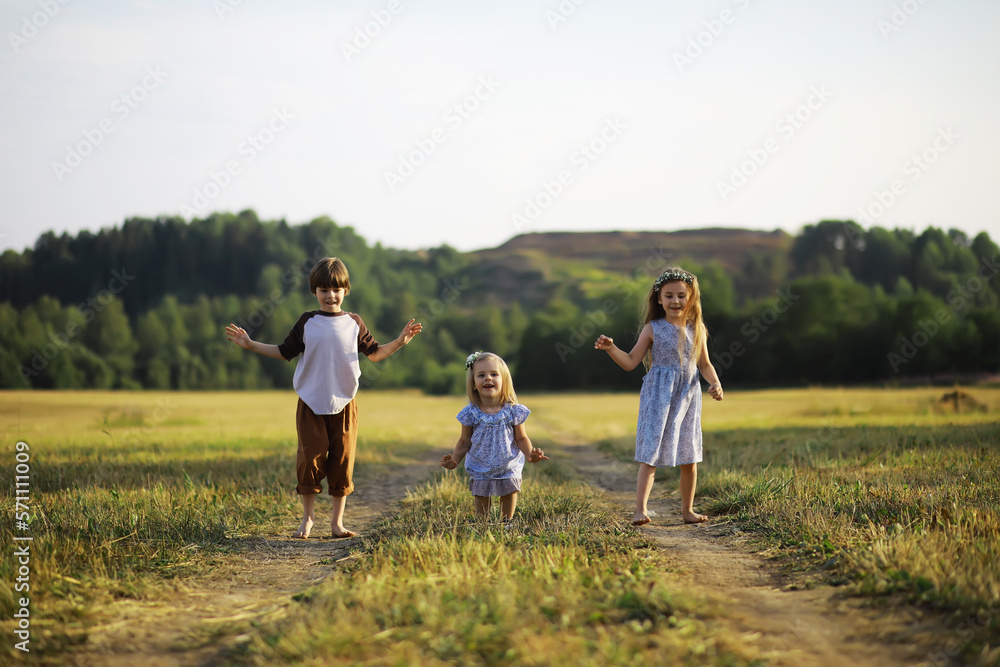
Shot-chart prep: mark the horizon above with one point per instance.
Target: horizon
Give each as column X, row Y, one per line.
column 370, row 241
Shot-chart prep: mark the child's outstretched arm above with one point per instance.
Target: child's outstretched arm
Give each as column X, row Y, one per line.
column 632, row 359
column 531, row 454
column 451, row 461
column 242, row 338
column 411, row 329
column 708, row 372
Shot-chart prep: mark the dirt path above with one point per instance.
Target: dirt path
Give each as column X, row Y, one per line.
column 816, row 626
column 206, row 614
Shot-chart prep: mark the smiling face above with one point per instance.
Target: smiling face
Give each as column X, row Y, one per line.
column 330, row 298
column 674, row 299
column 488, row 379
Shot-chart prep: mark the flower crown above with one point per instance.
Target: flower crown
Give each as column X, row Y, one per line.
column 671, row 276
column 471, row 359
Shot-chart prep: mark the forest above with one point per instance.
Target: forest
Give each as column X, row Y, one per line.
column 144, row 304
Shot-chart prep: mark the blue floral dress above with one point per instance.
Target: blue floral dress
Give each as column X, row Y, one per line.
column 669, row 428
column 494, row 462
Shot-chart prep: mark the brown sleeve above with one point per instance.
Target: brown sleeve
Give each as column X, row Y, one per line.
column 366, row 344
column 294, row 343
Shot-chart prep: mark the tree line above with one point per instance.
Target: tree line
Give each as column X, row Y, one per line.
column 143, row 305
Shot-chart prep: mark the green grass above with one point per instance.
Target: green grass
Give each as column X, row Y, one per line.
column 907, row 514
column 108, row 527
column 565, row 583
column 134, row 492
column 915, row 510
column 129, row 491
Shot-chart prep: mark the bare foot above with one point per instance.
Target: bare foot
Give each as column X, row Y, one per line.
column 344, row 535
column 639, row 520
column 304, row 528
column 339, row 532
column 694, row 518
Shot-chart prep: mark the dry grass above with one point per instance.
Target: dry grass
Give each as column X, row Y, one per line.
column 130, row 491
column 60, row 421
column 898, row 514
column 906, row 509
column 566, row 583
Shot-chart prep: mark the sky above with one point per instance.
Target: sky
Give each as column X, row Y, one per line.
column 428, row 122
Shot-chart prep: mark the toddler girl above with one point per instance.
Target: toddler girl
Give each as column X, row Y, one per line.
column 494, row 442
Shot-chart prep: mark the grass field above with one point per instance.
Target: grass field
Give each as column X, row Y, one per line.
column 891, row 493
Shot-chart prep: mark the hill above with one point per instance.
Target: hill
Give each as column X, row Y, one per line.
column 621, row 252
column 542, row 266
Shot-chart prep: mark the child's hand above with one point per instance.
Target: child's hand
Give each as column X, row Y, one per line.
column 239, row 336
column 411, row 329
column 448, row 462
column 715, row 391
column 603, row 343
column 537, row 455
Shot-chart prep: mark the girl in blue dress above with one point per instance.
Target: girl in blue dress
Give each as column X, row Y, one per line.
column 494, row 442
column 673, row 347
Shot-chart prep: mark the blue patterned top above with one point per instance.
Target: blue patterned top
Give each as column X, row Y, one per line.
column 493, row 454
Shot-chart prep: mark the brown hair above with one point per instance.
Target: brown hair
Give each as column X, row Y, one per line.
column 692, row 315
column 507, row 394
column 329, row 272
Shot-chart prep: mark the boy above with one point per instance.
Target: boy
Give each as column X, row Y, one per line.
column 326, row 380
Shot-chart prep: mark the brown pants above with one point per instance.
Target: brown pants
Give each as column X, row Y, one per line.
column 326, row 449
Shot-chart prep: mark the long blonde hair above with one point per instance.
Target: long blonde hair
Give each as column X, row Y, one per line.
column 507, row 394
column 655, row 311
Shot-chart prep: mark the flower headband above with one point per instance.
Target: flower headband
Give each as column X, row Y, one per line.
column 471, row 359
column 671, row 276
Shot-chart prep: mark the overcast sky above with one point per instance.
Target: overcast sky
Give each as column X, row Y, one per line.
column 422, row 122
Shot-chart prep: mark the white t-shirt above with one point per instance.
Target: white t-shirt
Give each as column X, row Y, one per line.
column 326, row 378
